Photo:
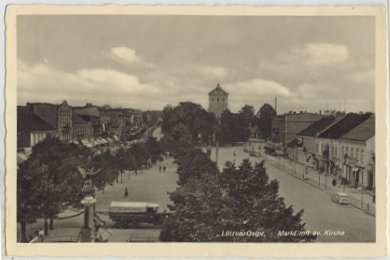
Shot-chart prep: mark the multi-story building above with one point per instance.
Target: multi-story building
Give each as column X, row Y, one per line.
column 81, row 128
column 31, row 129
column 58, row 117
column 358, row 152
column 331, row 144
column 91, row 115
column 286, row 127
column 38, row 120
column 218, row 101
column 304, row 145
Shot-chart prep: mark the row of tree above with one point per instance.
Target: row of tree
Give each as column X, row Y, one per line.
column 231, row 127
column 48, row 181
column 208, row 204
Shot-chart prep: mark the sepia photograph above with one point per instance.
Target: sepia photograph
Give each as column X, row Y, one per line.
column 148, row 128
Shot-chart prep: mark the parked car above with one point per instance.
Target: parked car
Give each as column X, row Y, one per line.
column 340, row 198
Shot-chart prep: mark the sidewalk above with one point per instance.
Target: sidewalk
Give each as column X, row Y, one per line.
column 357, row 198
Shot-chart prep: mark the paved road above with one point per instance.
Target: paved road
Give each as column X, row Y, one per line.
column 320, row 213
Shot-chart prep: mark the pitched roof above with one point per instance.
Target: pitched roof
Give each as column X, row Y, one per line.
column 77, row 120
column 362, row 132
column 347, row 123
column 218, row 90
column 46, row 112
column 87, row 111
column 318, row 126
column 28, row 122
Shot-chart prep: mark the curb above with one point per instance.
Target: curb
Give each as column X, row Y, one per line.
column 321, row 189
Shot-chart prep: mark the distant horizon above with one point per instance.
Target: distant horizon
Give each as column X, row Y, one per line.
column 159, row 110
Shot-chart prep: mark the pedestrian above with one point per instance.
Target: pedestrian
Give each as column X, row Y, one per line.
column 164, row 168
column 159, row 168
column 126, row 193
column 41, row 235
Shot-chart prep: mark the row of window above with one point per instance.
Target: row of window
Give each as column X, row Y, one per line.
column 351, row 152
column 217, row 99
column 64, row 112
column 36, row 138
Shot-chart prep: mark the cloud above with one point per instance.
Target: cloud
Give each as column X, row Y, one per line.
column 318, row 54
column 125, row 54
column 215, row 72
column 42, row 83
column 259, row 87
column 254, row 92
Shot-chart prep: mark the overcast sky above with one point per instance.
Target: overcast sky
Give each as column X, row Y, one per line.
column 147, row 62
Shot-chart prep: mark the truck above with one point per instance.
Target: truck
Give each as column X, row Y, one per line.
column 134, row 213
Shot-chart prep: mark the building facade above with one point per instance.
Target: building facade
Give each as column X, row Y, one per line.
column 31, row 129
column 64, row 121
column 218, row 101
column 286, row 127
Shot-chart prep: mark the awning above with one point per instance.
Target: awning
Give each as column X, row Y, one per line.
column 86, row 143
column 103, row 141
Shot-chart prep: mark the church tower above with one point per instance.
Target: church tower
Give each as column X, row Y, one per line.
column 218, row 100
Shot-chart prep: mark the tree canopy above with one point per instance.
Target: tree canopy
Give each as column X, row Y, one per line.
column 208, row 205
column 198, row 121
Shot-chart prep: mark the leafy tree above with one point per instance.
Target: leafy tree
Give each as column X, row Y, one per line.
column 192, row 164
column 265, row 116
column 197, row 209
column 198, row 121
column 226, row 134
column 241, row 199
column 257, row 206
column 27, row 210
column 154, row 149
column 48, row 182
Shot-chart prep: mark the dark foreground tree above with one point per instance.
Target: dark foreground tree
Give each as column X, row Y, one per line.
column 192, row 164
column 48, row 182
column 257, row 206
column 242, row 199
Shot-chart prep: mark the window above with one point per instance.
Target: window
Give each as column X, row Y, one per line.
column 212, row 100
column 217, row 99
column 347, row 150
column 223, row 99
column 342, row 150
column 335, row 151
column 362, row 155
column 352, row 152
column 357, row 154
column 317, row 148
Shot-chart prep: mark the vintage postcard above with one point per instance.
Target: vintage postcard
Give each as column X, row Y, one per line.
column 196, row 131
